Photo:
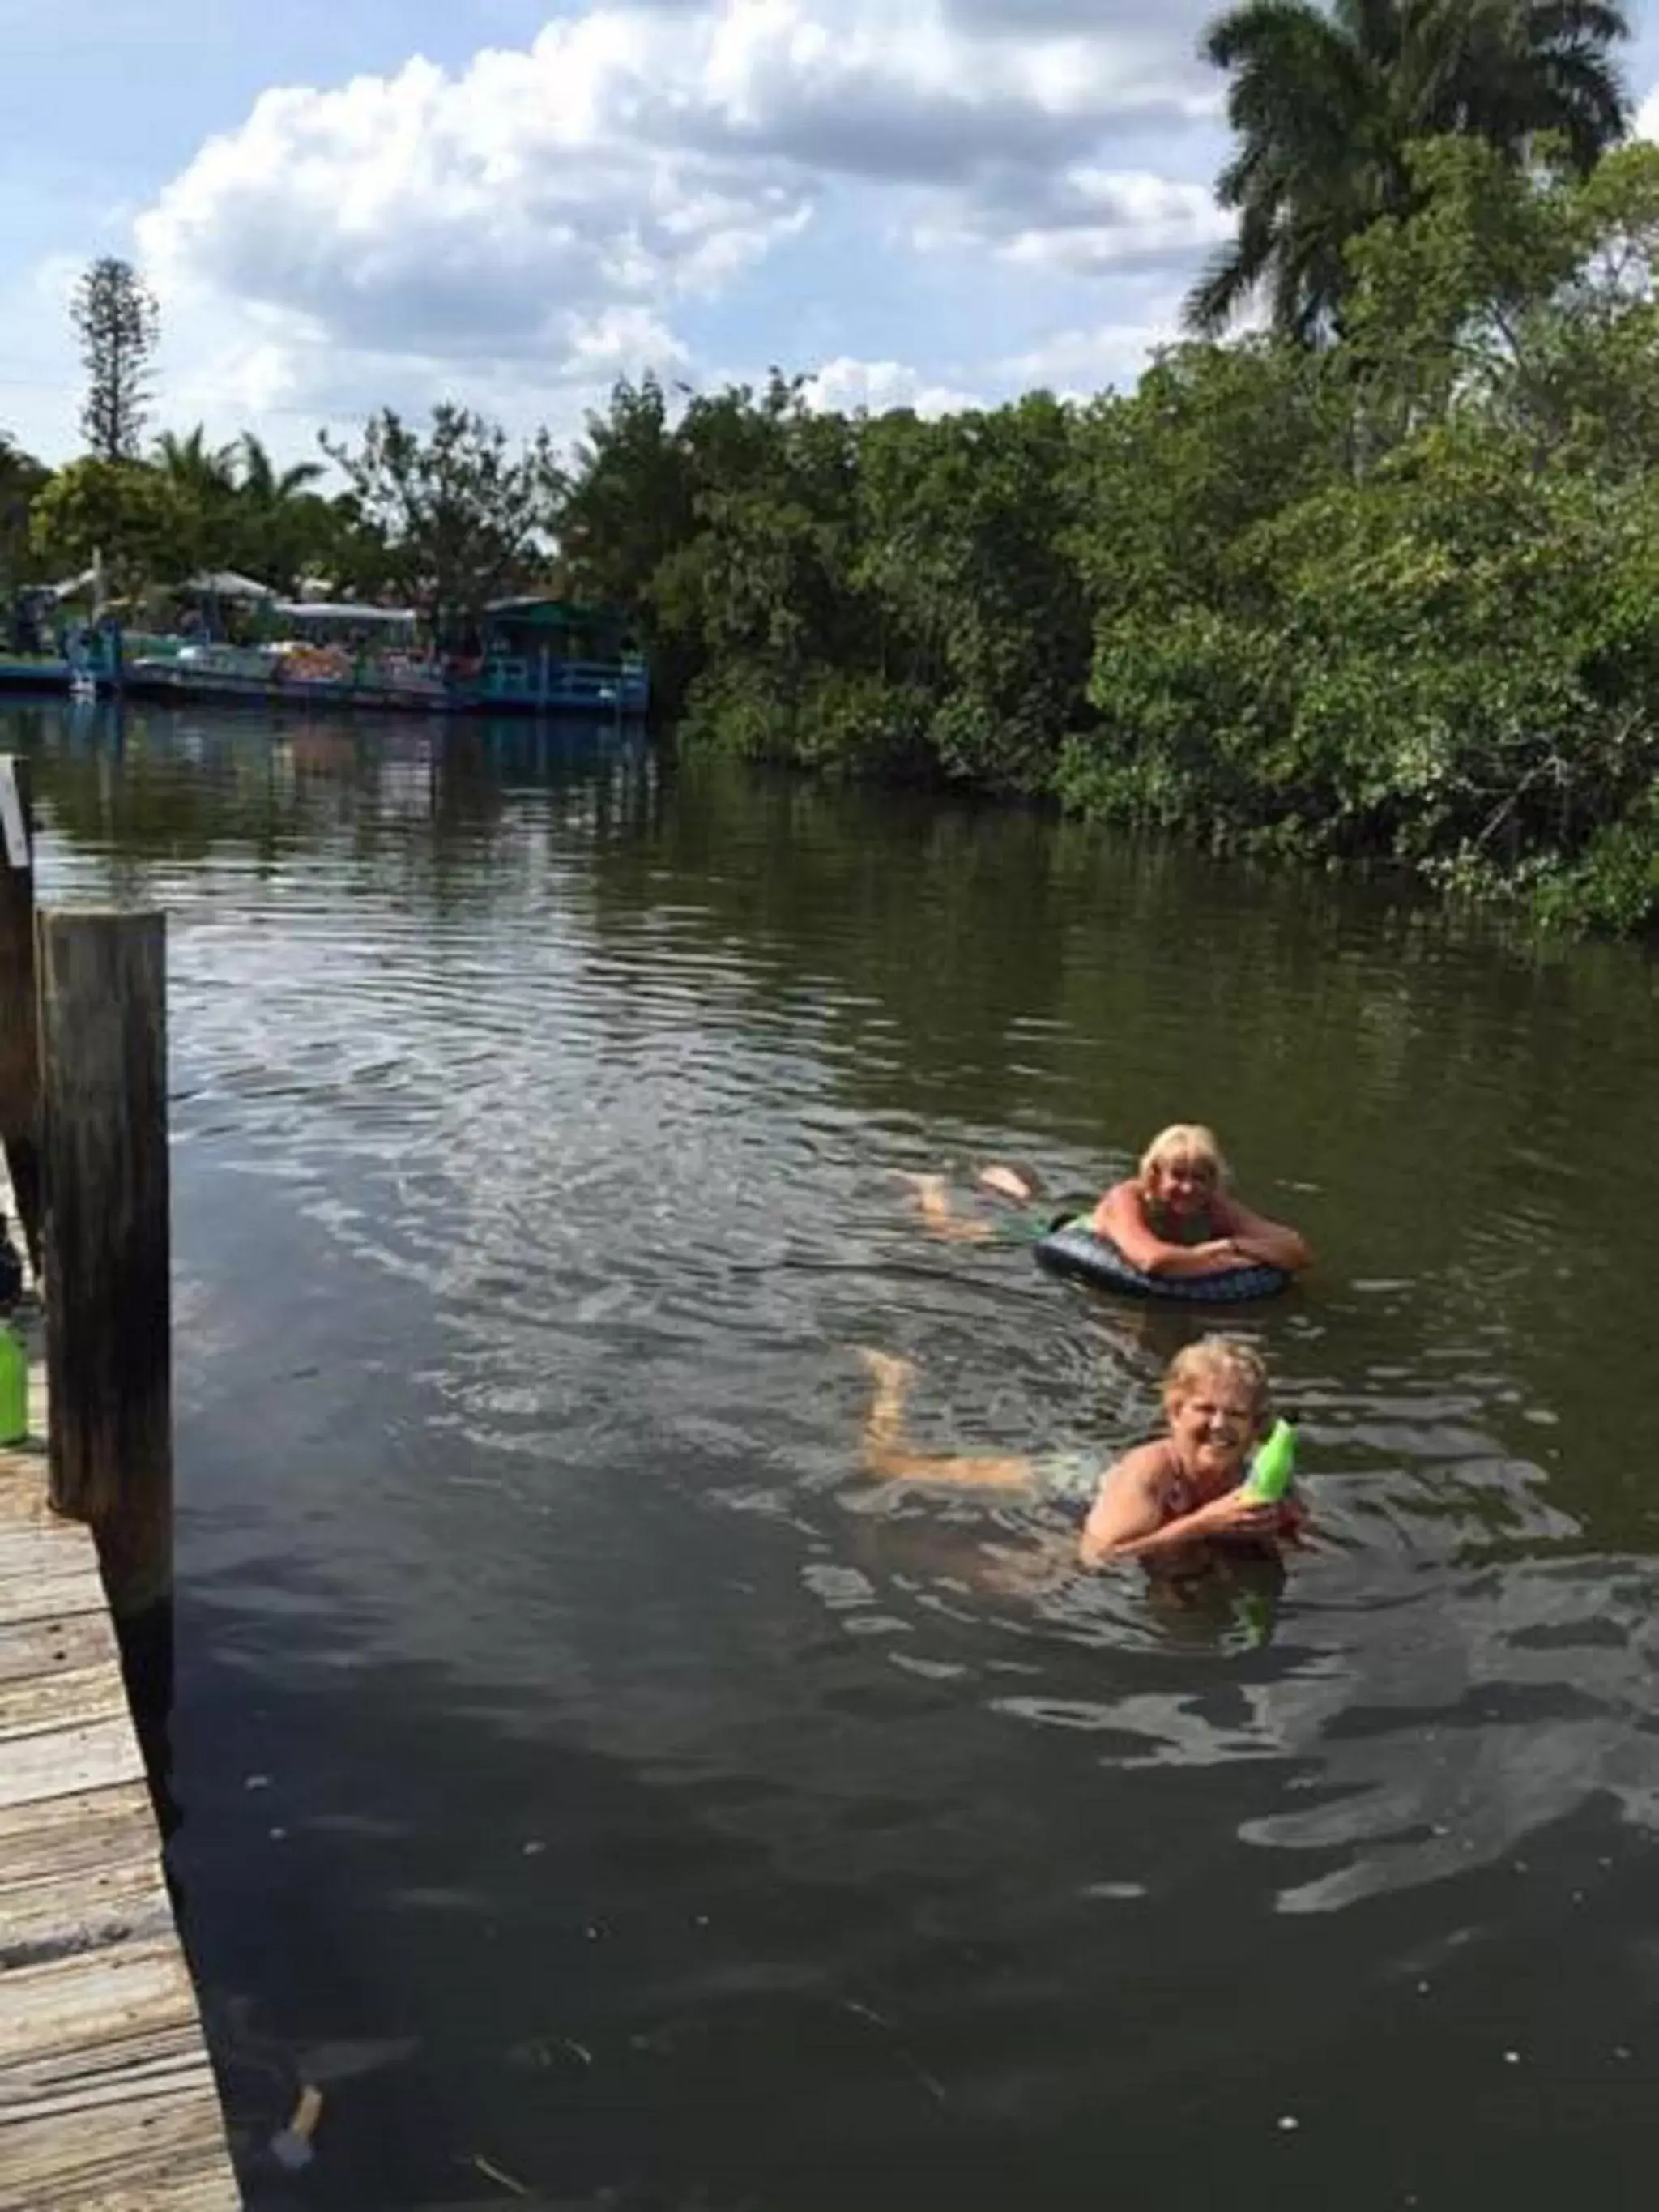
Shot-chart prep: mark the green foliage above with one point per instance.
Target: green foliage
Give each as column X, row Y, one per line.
column 798, row 571
column 280, row 528
column 965, row 530
column 1411, row 583
column 630, row 504
column 1527, row 296
column 461, row 517
column 1614, row 884
column 21, row 477
column 1394, row 599
column 192, row 507
column 841, row 721
column 124, row 511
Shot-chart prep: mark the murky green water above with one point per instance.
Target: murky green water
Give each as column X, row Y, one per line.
column 581, row 1772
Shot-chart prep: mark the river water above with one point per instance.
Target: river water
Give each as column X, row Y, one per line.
column 591, row 1784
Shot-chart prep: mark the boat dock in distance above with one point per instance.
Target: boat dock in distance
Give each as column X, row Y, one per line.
column 535, row 656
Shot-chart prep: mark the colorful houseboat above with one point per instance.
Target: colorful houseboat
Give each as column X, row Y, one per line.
column 537, row 656
column 551, row 656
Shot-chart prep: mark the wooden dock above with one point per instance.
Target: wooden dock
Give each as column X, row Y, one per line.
column 107, row 2098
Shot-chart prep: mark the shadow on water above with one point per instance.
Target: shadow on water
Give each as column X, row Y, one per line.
column 581, row 1771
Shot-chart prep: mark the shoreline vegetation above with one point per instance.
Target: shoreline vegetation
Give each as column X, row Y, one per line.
column 1377, row 583
column 1392, row 600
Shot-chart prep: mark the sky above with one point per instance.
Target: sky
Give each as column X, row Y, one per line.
column 346, row 204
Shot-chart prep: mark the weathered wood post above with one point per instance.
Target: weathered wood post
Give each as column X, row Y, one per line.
column 20, row 1054
column 108, row 1282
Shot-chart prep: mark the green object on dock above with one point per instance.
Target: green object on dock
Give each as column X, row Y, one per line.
column 14, row 1387
column 1274, row 1468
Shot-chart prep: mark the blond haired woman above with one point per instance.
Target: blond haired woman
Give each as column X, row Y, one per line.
column 1176, row 1216
column 1157, row 1501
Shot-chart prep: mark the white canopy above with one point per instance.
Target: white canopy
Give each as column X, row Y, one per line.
column 226, row 584
column 340, row 610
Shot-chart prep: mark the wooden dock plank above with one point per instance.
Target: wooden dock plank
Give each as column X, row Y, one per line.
column 92, row 2009
column 65, row 1588
column 60, row 1836
column 107, row 2097
column 41, row 1921
column 57, row 1697
column 69, row 1759
column 29, row 1649
column 150, row 2154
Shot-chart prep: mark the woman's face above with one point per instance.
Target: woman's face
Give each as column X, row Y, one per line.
column 1213, row 1425
column 1183, row 1185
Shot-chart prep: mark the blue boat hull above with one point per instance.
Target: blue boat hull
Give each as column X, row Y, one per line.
column 591, row 691
column 19, row 673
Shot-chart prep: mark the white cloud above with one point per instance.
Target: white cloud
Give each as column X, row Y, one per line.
column 845, row 386
column 1085, row 220
column 547, row 216
column 1646, row 124
column 481, row 214
column 251, row 376
column 1075, row 364
column 623, row 341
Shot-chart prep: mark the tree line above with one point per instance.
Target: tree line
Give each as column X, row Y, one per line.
column 1394, row 598
column 1378, row 580
column 446, row 518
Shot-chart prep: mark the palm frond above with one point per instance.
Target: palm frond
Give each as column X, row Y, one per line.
column 1222, row 290
column 1323, row 103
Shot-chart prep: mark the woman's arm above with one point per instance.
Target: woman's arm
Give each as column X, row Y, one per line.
column 1128, row 1521
column 1272, row 1242
column 1121, row 1217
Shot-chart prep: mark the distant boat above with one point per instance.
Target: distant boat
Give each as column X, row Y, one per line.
column 89, row 663
column 33, row 672
column 549, row 656
column 538, row 656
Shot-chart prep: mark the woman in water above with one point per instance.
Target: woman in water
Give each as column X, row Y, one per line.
column 1161, row 1501
column 1176, row 1215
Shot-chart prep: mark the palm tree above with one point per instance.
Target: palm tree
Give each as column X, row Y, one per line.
column 1324, row 105
column 282, row 525
column 262, row 485
column 199, row 484
column 192, row 466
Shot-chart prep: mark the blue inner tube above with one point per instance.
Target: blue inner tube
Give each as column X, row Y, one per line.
column 1070, row 1247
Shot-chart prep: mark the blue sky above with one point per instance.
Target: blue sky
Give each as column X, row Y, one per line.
column 346, row 201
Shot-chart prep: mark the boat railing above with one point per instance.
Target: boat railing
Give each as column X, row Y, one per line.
column 511, row 676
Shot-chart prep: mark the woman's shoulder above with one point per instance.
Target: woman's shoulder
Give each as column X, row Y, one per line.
column 1150, row 1466
column 1121, row 1194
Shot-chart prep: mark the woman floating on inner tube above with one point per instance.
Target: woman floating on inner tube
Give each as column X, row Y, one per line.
column 1174, row 1216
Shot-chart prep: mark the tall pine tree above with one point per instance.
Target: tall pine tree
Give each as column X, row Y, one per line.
column 119, row 323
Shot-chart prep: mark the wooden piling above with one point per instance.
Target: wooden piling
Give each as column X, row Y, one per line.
column 19, row 1051
column 107, row 1262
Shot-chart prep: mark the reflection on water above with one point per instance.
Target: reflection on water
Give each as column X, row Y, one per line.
column 582, row 1772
